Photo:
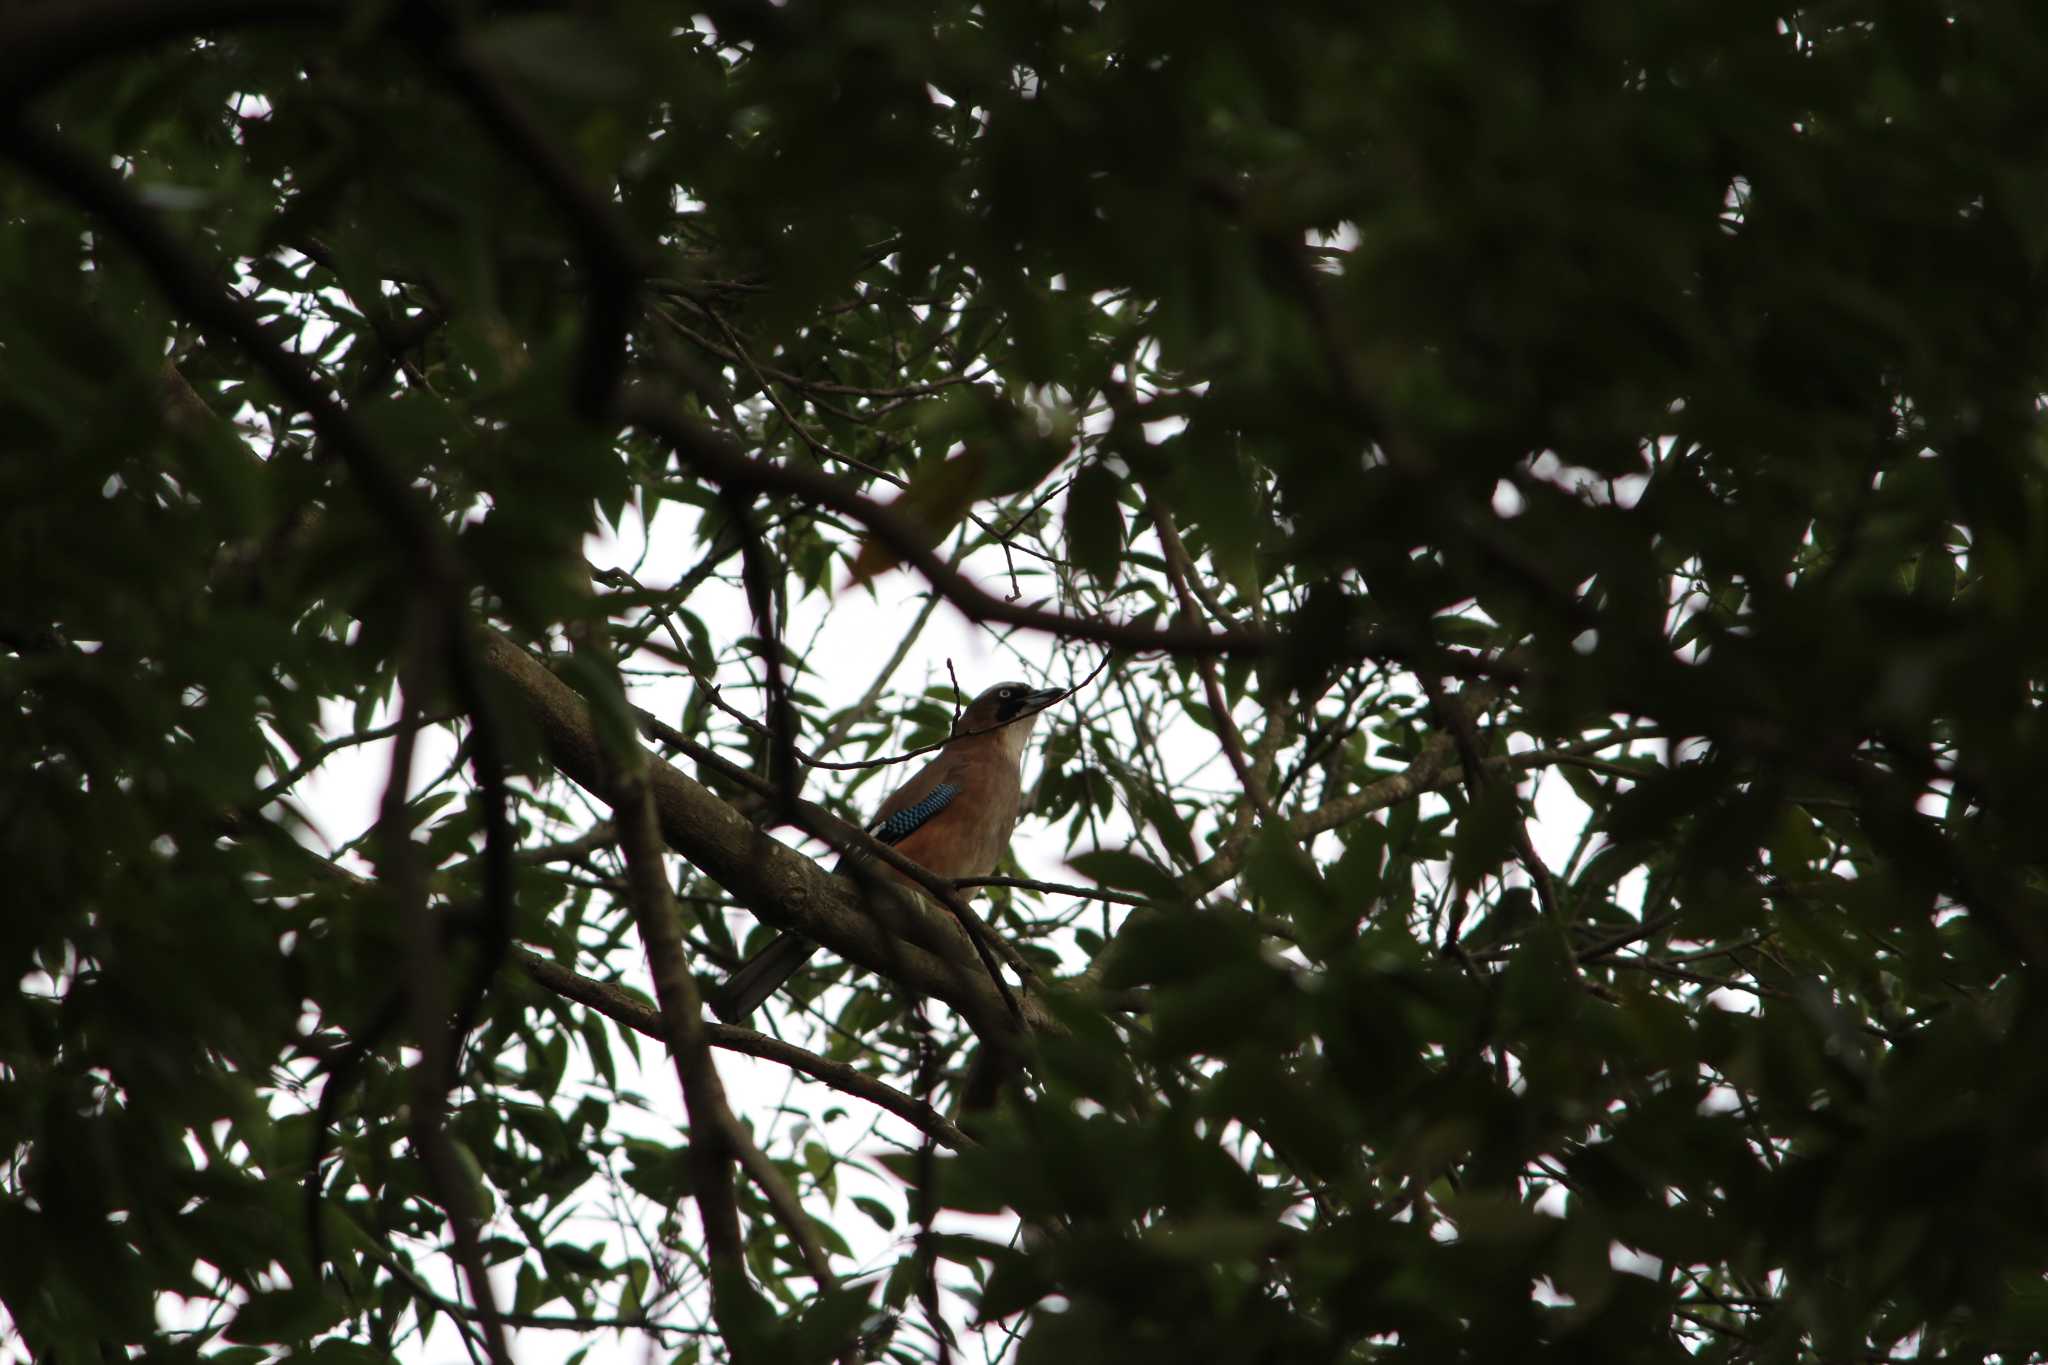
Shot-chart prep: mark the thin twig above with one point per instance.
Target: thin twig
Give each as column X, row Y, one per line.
column 713, row 457
column 836, row 734
column 1093, row 893
column 320, row 754
column 1454, row 716
column 716, row 696
column 1178, row 571
column 616, row 1003
column 928, row 1193
column 780, row 729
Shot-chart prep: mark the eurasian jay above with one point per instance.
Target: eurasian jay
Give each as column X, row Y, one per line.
column 953, row 819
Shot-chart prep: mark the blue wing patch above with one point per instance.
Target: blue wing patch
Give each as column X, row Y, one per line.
column 903, row 823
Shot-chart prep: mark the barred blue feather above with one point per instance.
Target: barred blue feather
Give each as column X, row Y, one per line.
column 903, row 823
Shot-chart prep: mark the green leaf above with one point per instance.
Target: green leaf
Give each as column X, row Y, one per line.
column 883, row 1217
column 1095, row 522
column 1126, row 871
column 294, row 1314
column 1486, row 836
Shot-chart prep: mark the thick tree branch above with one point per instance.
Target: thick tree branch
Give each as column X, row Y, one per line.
column 780, row 885
column 845, row 837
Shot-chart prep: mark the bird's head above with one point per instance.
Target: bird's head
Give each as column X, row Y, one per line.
column 1013, row 705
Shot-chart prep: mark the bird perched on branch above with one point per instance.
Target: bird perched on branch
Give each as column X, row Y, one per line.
column 953, row 819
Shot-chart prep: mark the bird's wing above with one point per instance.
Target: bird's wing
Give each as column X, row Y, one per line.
column 899, row 825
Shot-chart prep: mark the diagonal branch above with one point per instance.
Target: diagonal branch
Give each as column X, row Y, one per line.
column 713, row 1153
column 713, row 457
column 1179, row 569
column 780, row 885
column 620, row 1005
column 717, row 1141
column 844, row 837
column 1434, row 766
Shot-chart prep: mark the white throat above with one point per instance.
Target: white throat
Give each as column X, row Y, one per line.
column 1014, row 737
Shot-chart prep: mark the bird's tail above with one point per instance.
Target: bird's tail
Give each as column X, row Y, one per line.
column 760, row 976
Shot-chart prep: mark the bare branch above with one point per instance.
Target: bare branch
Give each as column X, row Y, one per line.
column 1178, row 570
column 844, row 837
column 710, row 455
column 1093, row 893
column 712, row 1151
column 619, row 1004
column 777, row 883
column 836, row 735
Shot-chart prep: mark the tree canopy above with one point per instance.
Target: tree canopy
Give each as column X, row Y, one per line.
column 1543, row 508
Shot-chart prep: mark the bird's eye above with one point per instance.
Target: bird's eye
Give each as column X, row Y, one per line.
column 1009, row 692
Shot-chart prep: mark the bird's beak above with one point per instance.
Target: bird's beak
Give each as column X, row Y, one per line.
column 1035, row 702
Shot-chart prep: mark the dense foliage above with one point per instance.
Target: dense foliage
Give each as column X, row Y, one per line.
column 1557, row 499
